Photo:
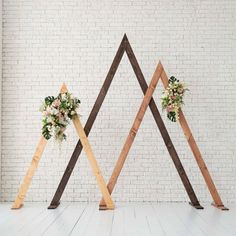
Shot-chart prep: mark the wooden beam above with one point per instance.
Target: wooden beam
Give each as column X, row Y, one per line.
column 92, row 160
column 130, row 138
column 93, row 163
column 90, row 155
column 18, row 203
column 88, row 150
column 88, row 126
column 125, row 47
column 197, row 154
column 132, row 133
column 161, row 126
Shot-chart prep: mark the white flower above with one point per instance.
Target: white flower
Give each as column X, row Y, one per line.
column 54, row 111
column 63, row 96
column 49, row 119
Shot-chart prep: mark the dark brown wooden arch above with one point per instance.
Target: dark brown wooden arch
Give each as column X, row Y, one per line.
column 125, row 47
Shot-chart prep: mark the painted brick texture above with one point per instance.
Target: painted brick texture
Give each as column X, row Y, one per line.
column 46, row 43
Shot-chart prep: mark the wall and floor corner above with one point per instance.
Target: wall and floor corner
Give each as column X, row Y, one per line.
column 49, row 42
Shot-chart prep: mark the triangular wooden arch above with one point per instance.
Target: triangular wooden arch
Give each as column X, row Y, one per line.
column 217, row 202
column 88, row 150
column 160, row 73
column 125, row 47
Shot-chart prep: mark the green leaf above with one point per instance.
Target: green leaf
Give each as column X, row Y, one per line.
column 49, row 100
column 171, row 116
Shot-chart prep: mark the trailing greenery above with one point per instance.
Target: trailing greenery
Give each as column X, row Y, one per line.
column 57, row 113
column 172, row 99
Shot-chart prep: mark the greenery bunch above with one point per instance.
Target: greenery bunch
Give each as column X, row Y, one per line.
column 172, row 99
column 57, row 113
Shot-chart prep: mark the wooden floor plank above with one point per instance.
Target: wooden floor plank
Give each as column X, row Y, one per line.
column 153, row 221
column 193, row 220
column 18, row 218
column 4, row 209
column 128, row 219
column 105, row 222
column 100, row 223
column 5, row 213
column 81, row 226
column 42, row 221
column 217, row 221
column 118, row 221
column 226, row 218
column 141, row 217
column 64, row 224
column 92, row 225
column 187, row 216
column 171, row 223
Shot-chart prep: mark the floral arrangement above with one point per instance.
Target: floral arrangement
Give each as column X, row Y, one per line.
column 172, row 98
column 57, row 113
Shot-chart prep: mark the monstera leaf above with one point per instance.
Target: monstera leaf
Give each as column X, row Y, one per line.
column 49, row 100
column 172, row 116
column 173, row 79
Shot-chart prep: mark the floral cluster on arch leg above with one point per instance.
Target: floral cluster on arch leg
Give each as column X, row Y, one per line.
column 172, row 99
column 57, row 113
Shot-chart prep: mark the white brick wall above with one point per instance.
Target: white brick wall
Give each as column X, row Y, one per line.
column 0, row 87
column 46, row 43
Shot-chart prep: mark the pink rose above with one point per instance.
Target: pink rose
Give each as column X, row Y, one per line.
column 61, row 117
column 169, row 108
column 56, row 103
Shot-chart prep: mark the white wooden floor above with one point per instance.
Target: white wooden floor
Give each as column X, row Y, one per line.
column 127, row 219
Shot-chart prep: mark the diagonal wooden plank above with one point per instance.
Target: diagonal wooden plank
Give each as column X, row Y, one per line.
column 125, row 45
column 88, row 150
column 132, row 133
column 92, row 160
column 18, row 203
column 197, row 154
column 93, row 163
column 88, row 126
column 164, row 133
column 130, row 139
